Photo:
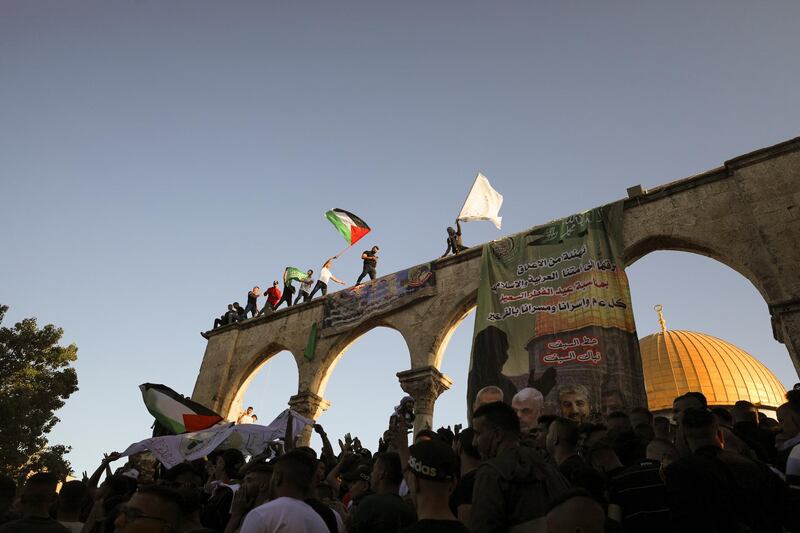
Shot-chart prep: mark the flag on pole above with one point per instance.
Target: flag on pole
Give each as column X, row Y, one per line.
column 349, row 225
column 293, row 273
column 175, row 412
column 482, row 203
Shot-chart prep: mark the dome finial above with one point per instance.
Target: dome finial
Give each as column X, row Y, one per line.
column 661, row 321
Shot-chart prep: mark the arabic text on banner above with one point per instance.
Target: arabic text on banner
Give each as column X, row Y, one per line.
column 554, row 312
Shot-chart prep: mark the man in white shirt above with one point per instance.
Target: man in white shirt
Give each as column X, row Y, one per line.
column 287, row 512
column 246, row 417
column 324, row 276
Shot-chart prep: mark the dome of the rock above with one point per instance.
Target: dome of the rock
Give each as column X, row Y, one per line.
column 675, row 362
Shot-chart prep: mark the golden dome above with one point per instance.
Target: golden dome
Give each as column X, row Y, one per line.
column 675, row 362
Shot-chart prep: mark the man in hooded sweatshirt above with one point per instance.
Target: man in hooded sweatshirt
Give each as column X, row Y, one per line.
column 514, row 484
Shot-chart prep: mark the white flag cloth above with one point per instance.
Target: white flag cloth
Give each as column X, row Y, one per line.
column 483, row 202
column 250, row 439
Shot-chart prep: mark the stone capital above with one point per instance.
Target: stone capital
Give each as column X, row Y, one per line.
column 309, row 405
column 424, row 385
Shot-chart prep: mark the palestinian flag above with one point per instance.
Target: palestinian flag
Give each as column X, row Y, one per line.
column 350, row 226
column 175, row 412
column 293, row 273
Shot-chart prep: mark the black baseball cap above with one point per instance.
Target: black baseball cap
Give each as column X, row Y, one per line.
column 433, row 460
column 359, row 473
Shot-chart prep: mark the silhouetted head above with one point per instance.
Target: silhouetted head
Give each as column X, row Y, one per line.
column 491, row 347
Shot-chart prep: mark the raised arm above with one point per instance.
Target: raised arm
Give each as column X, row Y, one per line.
column 327, row 450
column 458, row 227
column 95, row 479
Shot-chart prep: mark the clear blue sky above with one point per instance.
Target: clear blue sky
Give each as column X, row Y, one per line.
column 158, row 158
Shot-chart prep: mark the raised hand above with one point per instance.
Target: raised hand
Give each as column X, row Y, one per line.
column 347, row 445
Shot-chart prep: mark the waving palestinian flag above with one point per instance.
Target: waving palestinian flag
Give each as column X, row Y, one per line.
column 293, row 273
column 350, row 226
column 175, row 412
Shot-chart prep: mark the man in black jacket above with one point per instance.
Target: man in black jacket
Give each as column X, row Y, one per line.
column 717, row 490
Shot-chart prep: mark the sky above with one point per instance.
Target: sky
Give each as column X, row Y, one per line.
column 158, row 159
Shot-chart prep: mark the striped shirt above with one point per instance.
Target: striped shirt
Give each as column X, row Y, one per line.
column 641, row 493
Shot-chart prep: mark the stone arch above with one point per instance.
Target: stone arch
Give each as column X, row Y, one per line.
column 339, row 347
column 659, row 242
column 452, row 321
column 242, row 375
column 240, row 382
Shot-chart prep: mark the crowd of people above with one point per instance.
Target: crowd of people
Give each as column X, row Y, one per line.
column 275, row 297
column 514, row 469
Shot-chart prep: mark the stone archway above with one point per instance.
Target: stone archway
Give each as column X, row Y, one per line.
column 745, row 214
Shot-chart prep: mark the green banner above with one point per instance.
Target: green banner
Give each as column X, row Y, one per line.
column 554, row 313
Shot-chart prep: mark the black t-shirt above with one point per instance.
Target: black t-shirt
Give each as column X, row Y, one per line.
column 436, row 526
column 381, row 512
column 251, row 298
column 370, row 261
column 34, row 525
column 325, row 512
column 463, row 493
column 581, row 475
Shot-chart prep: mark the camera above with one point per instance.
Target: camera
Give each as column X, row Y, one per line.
column 405, row 410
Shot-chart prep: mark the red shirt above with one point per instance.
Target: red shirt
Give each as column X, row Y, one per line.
column 273, row 295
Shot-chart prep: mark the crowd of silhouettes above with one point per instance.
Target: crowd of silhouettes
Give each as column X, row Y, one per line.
column 695, row 469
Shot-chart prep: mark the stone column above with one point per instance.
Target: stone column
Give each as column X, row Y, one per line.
column 424, row 384
column 786, row 329
column 309, row 405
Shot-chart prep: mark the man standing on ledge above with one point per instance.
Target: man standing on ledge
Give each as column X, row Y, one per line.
column 273, row 295
column 370, row 258
column 454, row 242
column 325, row 276
column 252, row 299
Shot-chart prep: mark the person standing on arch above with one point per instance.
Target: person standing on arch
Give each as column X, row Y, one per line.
column 454, row 242
column 370, row 258
column 324, row 276
column 305, row 288
column 252, row 305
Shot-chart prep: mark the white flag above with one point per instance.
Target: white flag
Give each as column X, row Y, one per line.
column 483, row 202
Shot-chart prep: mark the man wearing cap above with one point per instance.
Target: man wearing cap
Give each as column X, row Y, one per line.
column 385, row 510
column 514, row 484
column 431, row 476
column 273, row 295
column 357, row 480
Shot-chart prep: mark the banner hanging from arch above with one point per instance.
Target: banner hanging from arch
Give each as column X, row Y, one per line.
column 554, row 313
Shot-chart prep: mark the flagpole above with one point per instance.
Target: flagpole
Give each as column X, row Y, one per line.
column 343, row 251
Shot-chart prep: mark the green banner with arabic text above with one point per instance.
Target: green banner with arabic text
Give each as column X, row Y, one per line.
column 554, row 314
